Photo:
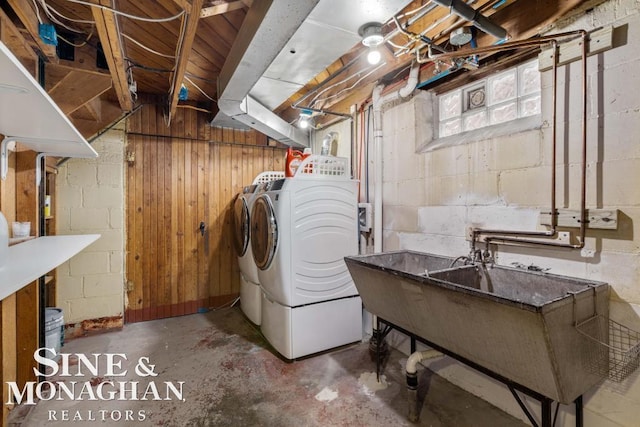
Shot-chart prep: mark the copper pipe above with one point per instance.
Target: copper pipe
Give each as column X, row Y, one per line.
column 583, row 215
column 505, row 46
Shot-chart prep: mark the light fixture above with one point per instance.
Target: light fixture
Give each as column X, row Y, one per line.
column 372, row 37
column 304, row 121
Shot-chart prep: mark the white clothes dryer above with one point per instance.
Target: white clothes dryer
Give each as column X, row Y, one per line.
column 250, row 294
column 301, row 230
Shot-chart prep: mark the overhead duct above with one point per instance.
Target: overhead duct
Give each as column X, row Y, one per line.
column 281, row 46
column 265, row 31
column 463, row 10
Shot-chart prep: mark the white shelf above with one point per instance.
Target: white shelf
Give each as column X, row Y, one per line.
column 34, row 258
column 29, row 115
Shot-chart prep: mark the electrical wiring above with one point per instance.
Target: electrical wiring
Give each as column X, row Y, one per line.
column 338, row 84
column 191, row 107
column 74, row 44
column 412, row 12
column 133, row 64
column 199, row 89
column 350, row 87
column 37, row 11
column 148, row 49
column 127, row 15
column 48, row 8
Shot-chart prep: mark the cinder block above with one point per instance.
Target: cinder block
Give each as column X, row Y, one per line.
column 68, row 288
column 518, row 151
column 390, row 241
column 62, row 218
column 110, row 174
column 400, row 218
column 502, row 217
column 88, row 263
column 620, row 183
column 436, row 244
column 620, row 135
column 94, row 308
column 442, row 220
column 103, row 197
column 116, row 263
column 617, row 269
column 448, row 161
column 103, row 285
column 87, row 219
column 411, row 192
column 525, row 187
column 69, row 197
column 110, row 240
column 389, row 193
column 82, row 172
column 449, row 190
column 483, row 155
column 116, row 218
column 484, row 189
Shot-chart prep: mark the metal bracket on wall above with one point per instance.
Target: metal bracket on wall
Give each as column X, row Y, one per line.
column 8, row 144
column 599, row 41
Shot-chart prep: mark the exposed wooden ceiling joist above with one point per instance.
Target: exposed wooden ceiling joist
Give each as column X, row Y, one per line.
column 106, row 26
column 11, row 36
column 77, row 88
column 221, row 8
column 184, row 51
column 26, row 14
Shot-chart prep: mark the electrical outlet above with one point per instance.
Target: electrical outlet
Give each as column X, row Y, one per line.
column 364, row 216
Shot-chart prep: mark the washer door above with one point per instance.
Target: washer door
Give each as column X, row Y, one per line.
column 264, row 232
column 240, row 225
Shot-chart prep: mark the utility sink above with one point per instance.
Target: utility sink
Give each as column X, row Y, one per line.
column 517, row 323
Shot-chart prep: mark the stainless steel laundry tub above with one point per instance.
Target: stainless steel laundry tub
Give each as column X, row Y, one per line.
column 518, row 324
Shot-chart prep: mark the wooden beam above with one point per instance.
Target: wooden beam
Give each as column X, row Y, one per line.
column 77, row 88
column 106, row 26
column 11, row 36
column 184, row 50
column 27, row 14
column 221, row 8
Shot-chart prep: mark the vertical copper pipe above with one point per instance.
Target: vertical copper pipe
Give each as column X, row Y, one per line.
column 583, row 195
column 554, row 120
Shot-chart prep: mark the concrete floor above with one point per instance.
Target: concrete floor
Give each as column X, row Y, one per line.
column 233, row 378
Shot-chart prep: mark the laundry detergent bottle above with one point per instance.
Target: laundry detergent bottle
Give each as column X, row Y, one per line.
column 292, row 162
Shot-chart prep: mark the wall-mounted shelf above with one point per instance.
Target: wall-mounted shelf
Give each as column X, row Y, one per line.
column 34, row 258
column 28, row 115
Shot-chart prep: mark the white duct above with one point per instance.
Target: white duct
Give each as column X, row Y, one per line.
column 281, row 46
column 378, row 101
column 267, row 28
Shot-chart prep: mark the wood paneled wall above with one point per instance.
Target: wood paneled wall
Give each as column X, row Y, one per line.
column 178, row 177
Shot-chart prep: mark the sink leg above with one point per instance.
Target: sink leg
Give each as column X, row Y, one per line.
column 579, row 412
column 546, row 412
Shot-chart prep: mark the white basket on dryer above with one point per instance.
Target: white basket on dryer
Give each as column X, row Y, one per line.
column 317, row 166
column 268, row 176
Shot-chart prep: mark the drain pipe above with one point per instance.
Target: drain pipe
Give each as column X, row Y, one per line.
column 378, row 101
column 463, row 10
column 412, row 380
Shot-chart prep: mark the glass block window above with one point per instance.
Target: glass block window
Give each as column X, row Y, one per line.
column 505, row 96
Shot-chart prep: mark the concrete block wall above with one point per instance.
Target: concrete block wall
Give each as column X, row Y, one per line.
column 90, row 200
column 503, row 182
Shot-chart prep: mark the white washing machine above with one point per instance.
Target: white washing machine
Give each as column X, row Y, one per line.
column 250, row 294
column 301, row 230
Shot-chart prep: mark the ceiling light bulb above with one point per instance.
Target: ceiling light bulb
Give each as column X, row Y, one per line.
column 304, row 123
column 374, row 56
